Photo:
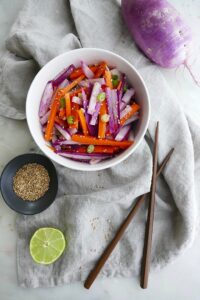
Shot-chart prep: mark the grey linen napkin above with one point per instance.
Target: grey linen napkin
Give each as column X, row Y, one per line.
column 90, row 206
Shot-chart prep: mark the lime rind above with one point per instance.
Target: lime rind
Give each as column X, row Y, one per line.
column 47, row 245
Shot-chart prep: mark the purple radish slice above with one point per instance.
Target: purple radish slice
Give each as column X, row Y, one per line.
column 62, row 75
column 46, row 99
column 123, row 132
column 93, row 98
column 86, row 70
column 63, row 131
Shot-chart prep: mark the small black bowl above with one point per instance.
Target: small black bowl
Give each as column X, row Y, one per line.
column 6, row 185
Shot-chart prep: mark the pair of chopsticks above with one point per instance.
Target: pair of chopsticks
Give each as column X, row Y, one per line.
column 149, row 224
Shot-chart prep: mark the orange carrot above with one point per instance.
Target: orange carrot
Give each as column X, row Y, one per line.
column 83, row 122
column 101, row 69
column 105, row 149
column 74, row 113
column 134, row 108
column 97, row 149
column 102, row 125
column 68, row 105
column 56, row 102
column 108, row 79
column 70, row 86
column 78, row 72
column 90, row 140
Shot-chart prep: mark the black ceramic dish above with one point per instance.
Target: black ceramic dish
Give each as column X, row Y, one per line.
column 6, row 185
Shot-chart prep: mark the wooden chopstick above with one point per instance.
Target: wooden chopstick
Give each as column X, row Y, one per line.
column 149, row 224
column 94, row 273
column 99, row 265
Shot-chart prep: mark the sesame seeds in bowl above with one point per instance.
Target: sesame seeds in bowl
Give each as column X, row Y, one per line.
column 29, row 183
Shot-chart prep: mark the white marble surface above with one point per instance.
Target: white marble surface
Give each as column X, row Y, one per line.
column 179, row 280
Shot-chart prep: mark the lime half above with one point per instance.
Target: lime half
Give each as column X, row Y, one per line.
column 47, row 245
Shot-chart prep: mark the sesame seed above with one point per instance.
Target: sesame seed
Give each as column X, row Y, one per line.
column 31, row 182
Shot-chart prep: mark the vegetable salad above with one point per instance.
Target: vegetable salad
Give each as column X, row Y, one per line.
column 87, row 113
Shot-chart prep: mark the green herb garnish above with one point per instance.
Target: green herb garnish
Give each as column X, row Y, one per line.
column 115, row 80
column 105, row 118
column 70, row 120
column 115, row 77
column 125, row 88
column 101, row 97
column 90, row 148
column 62, row 102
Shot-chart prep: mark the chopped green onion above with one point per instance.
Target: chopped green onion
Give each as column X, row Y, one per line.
column 62, row 102
column 101, row 97
column 115, row 83
column 80, row 95
column 90, row 148
column 115, row 80
column 115, row 77
column 125, row 88
column 105, row 118
column 70, row 120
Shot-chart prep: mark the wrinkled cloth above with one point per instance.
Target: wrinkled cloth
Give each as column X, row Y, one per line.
column 91, row 205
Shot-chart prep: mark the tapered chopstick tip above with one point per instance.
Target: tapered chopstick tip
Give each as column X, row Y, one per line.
column 86, row 286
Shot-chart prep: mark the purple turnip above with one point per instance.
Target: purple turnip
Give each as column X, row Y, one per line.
column 159, row 31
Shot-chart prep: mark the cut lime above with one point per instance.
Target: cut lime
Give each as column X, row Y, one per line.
column 47, row 245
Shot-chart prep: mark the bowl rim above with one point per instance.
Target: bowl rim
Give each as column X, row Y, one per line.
column 108, row 163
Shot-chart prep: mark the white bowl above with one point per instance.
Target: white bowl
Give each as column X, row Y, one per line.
column 90, row 56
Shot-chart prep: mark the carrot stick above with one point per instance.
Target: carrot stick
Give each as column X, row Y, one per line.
column 102, row 125
column 83, row 122
column 74, row 113
column 97, row 149
column 108, row 79
column 78, row 72
column 89, row 140
column 101, row 69
column 68, row 105
column 134, row 108
column 53, row 111
column 105, row 149
column 70, row 86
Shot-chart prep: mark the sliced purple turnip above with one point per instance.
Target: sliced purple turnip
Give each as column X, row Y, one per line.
column 123, row 132
column 86, row 70
column 44, row 119
column 63, row 131
column 126, row 98
column 46, row 99
column 64, row 74
column 94, row 118
column 93, row 98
